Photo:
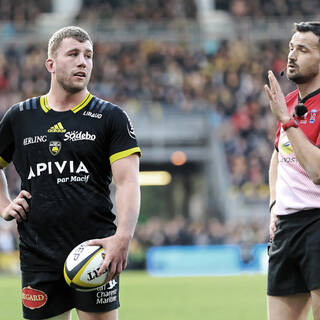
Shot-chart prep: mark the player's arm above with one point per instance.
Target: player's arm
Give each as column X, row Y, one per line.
column 16, row 209
column 306, row 153
column 273, row 173
column 126, row 178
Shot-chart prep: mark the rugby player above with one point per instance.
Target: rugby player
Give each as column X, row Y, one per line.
column 294, row 255
column 66, row 146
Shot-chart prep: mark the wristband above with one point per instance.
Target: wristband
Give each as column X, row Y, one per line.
column 272, row 204
column 292, row 123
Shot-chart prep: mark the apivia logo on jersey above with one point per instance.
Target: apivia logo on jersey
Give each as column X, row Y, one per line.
column 65, row 171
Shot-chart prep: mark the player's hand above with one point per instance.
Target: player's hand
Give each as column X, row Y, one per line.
column 18, row 208
column 116, row 249
column 276, row 99
column 273, row 224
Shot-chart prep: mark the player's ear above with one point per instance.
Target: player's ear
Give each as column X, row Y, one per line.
column 50, row 65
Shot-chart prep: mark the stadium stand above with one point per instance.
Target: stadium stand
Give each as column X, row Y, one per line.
column 273, row 8
column 146, row 10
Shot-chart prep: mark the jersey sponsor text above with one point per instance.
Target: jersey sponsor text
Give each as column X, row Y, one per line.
column 92, row 114
column 33, row 298
column 60, row 167
column 106, row 297
column 78, row 136
column 35, row 139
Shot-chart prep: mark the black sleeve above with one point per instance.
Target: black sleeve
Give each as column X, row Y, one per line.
column 122, row 139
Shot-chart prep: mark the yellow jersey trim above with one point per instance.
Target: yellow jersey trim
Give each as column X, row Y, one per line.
column 45, row 107
column 123, row 154
column 3, row 163
column 81, row 105
column 44, row 104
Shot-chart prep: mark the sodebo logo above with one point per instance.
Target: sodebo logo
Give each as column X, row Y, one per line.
column 78, row 135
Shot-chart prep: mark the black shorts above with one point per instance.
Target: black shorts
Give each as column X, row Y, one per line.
column 294, row 256
column 46, row 294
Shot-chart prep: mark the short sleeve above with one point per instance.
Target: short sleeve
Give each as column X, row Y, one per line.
column 122, row 138
column 6, row 139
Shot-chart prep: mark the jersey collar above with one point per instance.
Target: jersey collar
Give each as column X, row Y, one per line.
column 308, row 96
column 45, row 107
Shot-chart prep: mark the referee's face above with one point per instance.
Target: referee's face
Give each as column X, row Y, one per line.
column 72, row 65
column 303, row 58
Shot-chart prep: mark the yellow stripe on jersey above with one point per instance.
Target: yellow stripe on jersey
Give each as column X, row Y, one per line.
column 80, row 106
column 45, row 107
column 3, row 163
column 123, row 154
column 44, row 104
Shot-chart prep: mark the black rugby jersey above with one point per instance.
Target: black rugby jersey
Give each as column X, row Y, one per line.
column 64, row 160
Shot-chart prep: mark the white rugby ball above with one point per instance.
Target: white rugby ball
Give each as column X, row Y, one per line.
column 82, row 265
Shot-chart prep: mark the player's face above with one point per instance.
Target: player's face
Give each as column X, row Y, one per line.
column 304, row 57
column 73, row 64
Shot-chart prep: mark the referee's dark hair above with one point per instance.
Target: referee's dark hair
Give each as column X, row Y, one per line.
column 313, row 26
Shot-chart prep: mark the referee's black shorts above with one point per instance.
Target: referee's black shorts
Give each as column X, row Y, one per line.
column 294, row 256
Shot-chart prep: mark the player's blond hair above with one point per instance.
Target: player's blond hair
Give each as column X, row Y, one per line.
column 67, row 32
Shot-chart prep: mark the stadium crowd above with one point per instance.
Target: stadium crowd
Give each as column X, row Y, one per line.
column 266, row 9
column 21, row 13
column 137, row 10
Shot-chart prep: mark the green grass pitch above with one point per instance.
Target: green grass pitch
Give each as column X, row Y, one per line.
column 143, row 297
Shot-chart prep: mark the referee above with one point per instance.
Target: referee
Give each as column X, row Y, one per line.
column 294, row 176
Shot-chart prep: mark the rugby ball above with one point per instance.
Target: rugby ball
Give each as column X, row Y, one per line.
column 82, row 265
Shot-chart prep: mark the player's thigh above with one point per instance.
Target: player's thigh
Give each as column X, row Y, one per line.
column 64, row 316
column 293, row 307
column 110, row 315
column 315, row 296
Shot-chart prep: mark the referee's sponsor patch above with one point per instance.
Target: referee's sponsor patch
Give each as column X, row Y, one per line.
column 313, row 114
column 32, row 298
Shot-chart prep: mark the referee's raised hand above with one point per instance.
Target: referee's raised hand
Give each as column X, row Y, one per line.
column 276, row 99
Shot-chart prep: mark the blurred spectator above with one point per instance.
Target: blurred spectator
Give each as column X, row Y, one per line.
column 137, row 10
column 179, row 231
column 271, row 8
column 21, row 13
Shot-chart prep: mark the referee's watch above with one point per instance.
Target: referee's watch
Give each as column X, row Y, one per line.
column 292, row 123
